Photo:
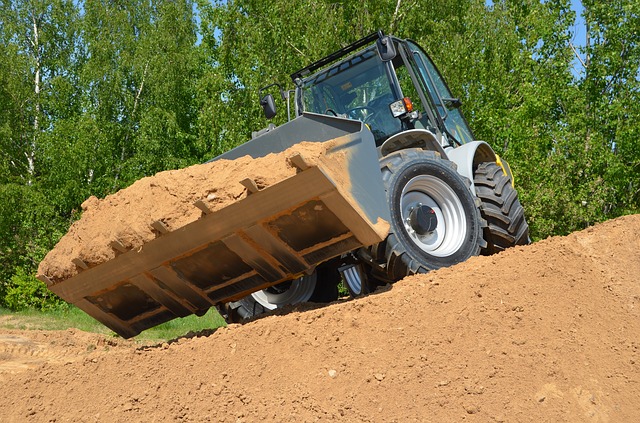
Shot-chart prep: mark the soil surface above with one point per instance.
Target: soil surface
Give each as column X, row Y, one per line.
column 544, row 333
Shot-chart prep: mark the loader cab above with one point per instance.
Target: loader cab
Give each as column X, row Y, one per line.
column 360, row 88
column 445, row 106
column 390, row 93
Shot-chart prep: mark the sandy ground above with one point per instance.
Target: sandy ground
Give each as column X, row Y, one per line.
column 544, row 333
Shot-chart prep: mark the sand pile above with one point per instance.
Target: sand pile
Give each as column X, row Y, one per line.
column 544, row 333
column 167, row 197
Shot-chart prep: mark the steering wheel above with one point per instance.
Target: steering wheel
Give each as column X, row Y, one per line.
column 371, row 112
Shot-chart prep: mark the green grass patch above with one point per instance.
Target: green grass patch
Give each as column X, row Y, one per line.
column 72, row 317
column 183, row 325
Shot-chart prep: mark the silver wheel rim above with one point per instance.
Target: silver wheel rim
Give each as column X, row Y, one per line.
column 353, row 278
column 451, row 230
column 300, row 291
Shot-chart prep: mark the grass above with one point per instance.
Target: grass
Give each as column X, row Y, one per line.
column 73, row 317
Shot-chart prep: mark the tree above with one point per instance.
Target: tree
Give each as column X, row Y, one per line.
column 38, row 40
column 96, row 95
column 611, row 90
column 138, row 81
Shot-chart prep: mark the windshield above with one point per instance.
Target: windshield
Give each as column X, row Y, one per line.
column 453, row 119
column 359, row 87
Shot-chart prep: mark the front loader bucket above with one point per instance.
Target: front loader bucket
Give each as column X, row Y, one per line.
column 273, row 235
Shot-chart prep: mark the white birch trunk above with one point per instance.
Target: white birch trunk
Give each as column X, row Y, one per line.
column 31, row 151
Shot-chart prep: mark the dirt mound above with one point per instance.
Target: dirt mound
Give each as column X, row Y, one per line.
column 548, row 332
column 167, row 197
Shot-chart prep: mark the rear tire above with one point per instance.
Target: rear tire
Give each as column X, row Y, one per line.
column 501, row 209
column 419, row 182
column 321, row 287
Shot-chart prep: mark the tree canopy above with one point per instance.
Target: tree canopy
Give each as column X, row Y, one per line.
column 97, row 94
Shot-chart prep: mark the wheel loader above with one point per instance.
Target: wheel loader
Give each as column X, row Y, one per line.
column 410, row 190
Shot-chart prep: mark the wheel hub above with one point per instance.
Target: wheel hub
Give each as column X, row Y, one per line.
column 433, row 215
column 423, row 219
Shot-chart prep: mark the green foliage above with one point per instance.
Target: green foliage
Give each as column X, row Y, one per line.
column 611, row 90
column 95, row 95
column 29, row 227
column 25, row 291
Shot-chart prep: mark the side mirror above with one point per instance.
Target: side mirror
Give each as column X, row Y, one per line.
column 386, row 48
column 452, row 103
column 268, row 106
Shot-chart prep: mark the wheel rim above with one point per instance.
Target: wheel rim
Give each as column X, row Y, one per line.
column 297, row 291
column 353, row 277
column 451, row 229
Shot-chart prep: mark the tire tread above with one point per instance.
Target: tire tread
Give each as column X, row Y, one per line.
column 501, row 208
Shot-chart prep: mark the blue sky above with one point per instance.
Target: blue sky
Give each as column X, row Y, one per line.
column 579, row 33
column 576, row 5
column 579, row 37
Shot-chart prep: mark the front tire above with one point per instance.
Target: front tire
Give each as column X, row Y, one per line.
column 435, row 221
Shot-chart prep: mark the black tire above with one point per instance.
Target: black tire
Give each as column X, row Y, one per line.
column 319, row 287
column 413, row 177
column 501, row 208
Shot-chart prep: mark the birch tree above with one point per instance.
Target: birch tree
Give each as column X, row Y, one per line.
column 38, row 43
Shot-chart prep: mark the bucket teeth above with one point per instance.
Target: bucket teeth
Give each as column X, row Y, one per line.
column 250, row 185
column 299, row 162
column 80, row 263
column 45, row 279
column 160, row 227
column 118, row 246
column 203, row 206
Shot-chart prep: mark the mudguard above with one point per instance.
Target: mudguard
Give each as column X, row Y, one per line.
column 468, row 155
